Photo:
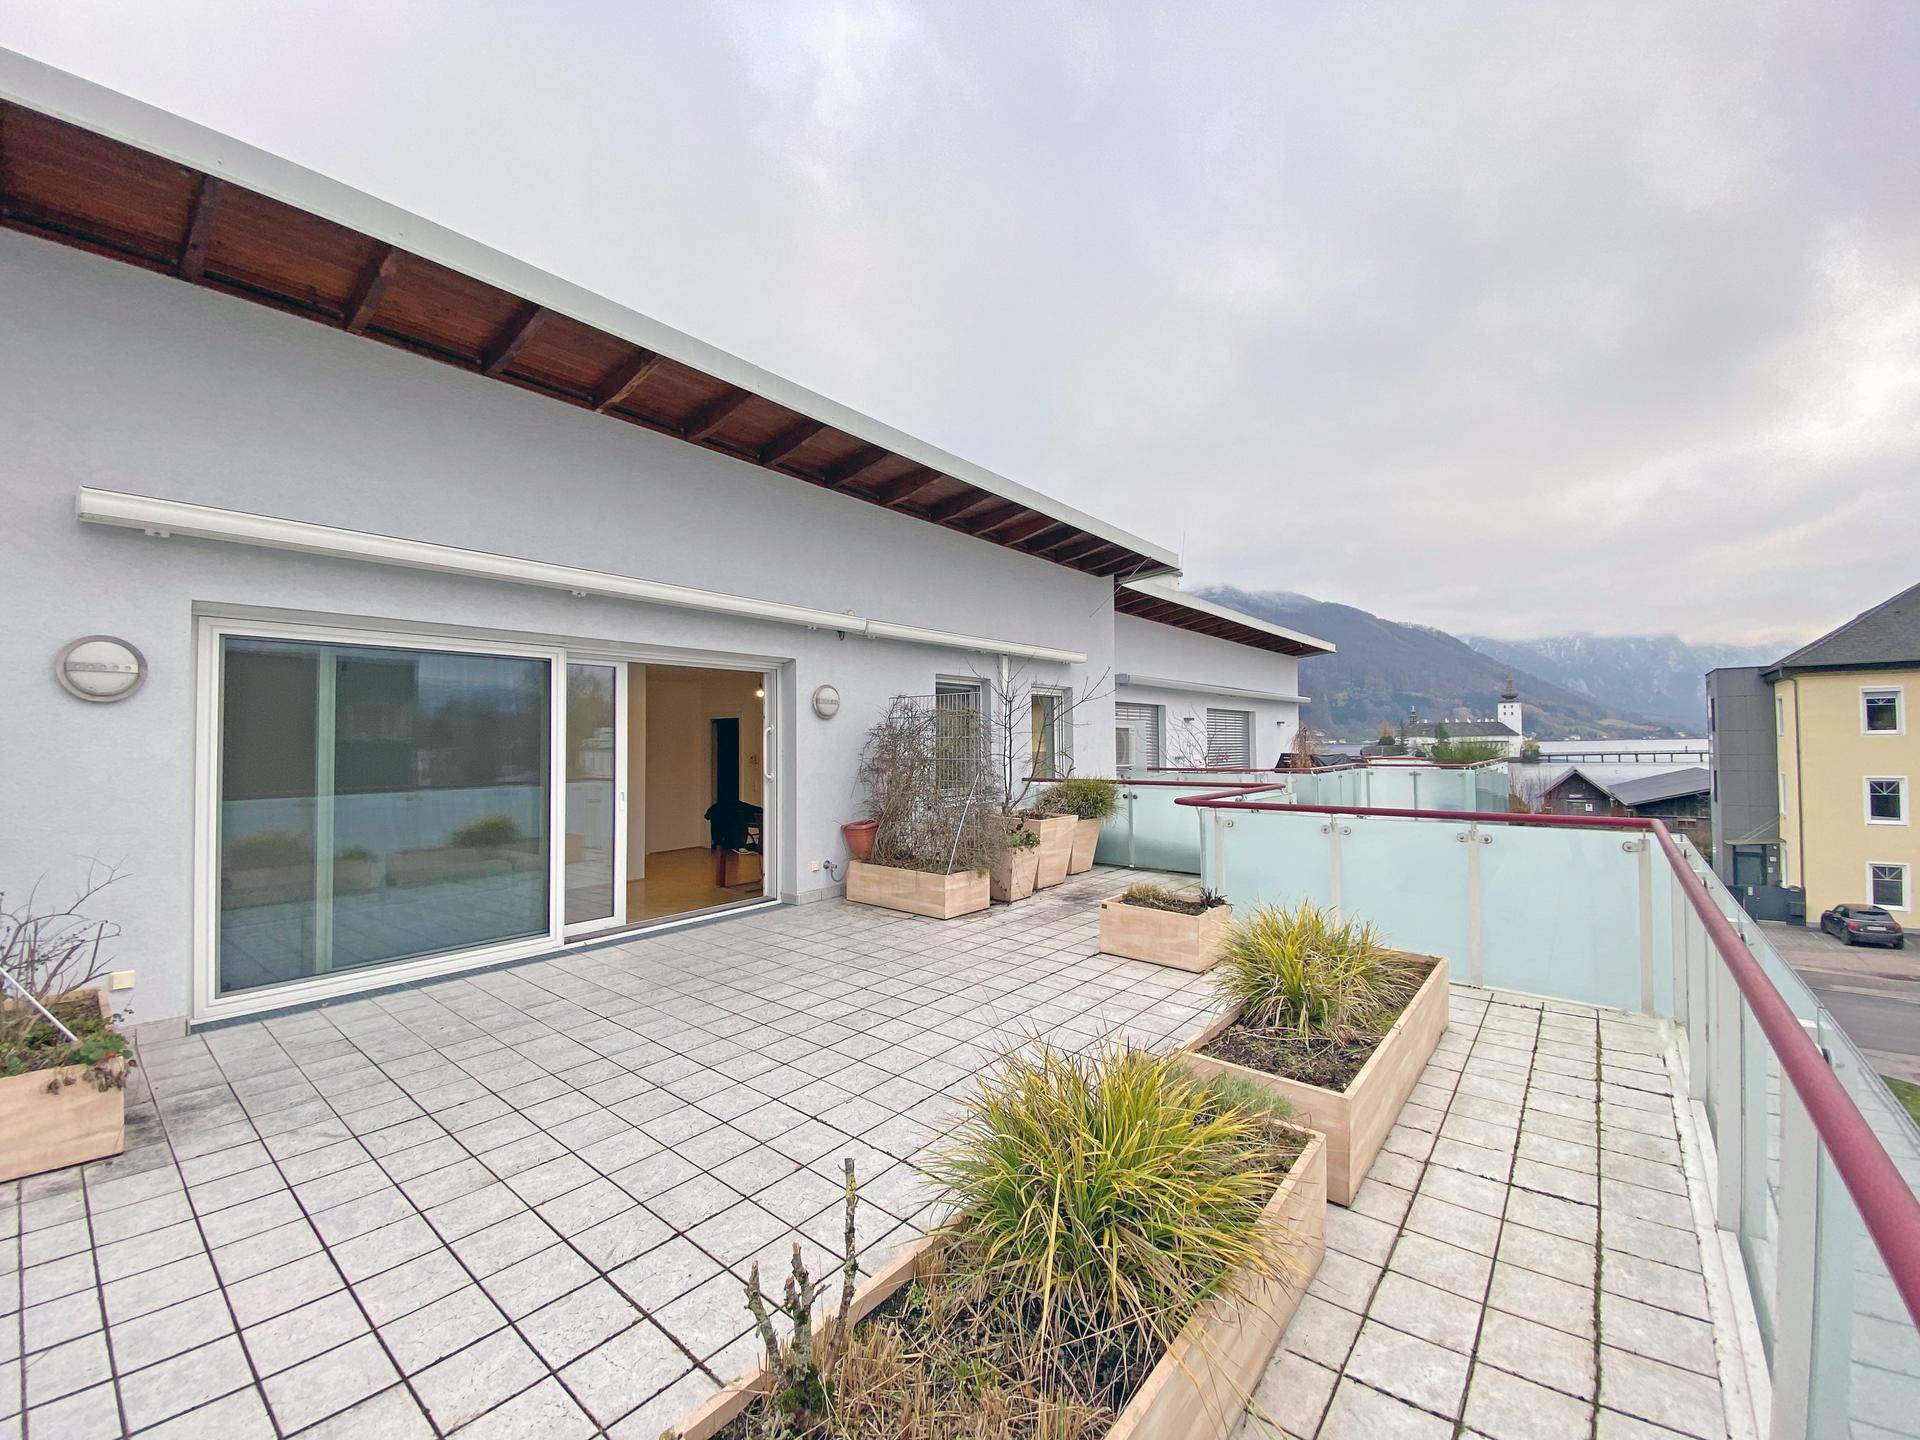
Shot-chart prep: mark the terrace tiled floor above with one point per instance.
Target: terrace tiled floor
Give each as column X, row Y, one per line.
column 522, row 1202
column 1522, row 1262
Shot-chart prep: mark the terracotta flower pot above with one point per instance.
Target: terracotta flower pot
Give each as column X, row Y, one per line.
column 859, row 835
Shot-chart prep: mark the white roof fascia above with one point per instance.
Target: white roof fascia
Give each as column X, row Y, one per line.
column 1200, row 687
column 1161, row 590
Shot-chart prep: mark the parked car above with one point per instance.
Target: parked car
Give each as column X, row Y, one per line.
column 1863, row 925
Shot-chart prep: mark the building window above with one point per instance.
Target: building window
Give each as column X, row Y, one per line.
column 1230, row 739
column 959, row 732
column 1779, row 715
column 1783, row 792
column 1881, row 712
column 1887, row 885
column 1887, row 800
column 1136, row 736
column 1046, row 733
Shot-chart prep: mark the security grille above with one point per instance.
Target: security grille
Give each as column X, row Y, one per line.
column 960, row 734
column 1230, row 739
column 1137, row 736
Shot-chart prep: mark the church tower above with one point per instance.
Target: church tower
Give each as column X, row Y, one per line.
column 1510, row 710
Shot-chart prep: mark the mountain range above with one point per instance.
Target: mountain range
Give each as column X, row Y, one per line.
column 1657, row 676
column 1593, row 687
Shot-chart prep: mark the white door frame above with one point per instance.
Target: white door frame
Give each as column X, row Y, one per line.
column 210, row 629
column 615, row 919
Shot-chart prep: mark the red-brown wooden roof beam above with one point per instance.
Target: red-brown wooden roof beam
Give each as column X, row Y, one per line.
column 510, row 341
column 193, row 250
column 372, row 285
column 715, row 413
column 858, row 463
column 790, row 440
column 625, row 379
column 979, row 524
column 1020, row 530
column 906, row 486
column 956, row 506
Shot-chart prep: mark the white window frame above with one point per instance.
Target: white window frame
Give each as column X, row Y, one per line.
column 1906, row 884
column 1866, row 798
column 1783, row 792
column 1898, row 694
column 1062, row 728
column 1253, row 735
column 1155, row 758
column 208, row 1004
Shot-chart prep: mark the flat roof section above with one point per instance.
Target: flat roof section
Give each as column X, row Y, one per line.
column 87, row 166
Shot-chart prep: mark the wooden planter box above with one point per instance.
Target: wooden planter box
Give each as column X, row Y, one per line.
column 1356, row 1120
column 1201, row 1385
column 918, row 892
column 1056, row 846
column 39, row 1131
column 1086, row 839
column 1014, row 873
column 1164, row 937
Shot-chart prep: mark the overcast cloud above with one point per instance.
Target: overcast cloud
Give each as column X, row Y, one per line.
column 1509, row 319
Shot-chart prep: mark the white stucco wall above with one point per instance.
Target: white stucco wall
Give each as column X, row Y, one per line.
column 124, row 380
column 1148, row 648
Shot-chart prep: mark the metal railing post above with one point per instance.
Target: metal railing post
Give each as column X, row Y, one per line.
column 1699, row 1056
column 1795, row 1278
column 1333, row 829
column 1677, row 958
column 1643, row 850
column 1473, row 839
column 1724, row 1101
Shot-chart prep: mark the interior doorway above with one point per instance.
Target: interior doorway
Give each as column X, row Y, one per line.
column 667, row 807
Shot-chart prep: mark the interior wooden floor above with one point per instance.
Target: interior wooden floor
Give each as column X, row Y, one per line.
column 681, row 880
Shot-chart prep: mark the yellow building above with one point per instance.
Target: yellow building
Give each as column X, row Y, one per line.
column 1849, row 752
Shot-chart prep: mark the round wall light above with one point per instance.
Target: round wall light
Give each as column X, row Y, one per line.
column 100, row 669
column 826, row 702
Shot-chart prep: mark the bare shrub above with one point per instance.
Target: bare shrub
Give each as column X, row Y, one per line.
column 932, row 791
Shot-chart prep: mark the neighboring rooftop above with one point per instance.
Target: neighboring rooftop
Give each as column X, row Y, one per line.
column 1169, row 605
column 1669, row 785
column 1468, row 729
column 88, row 167
column 1886, row 636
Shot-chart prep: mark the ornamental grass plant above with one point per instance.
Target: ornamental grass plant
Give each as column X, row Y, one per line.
column 1098, row 1202
column 1105, row 1197
column 1303, row 973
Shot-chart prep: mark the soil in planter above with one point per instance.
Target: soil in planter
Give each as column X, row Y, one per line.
column 1155, row 897
column 28, row 1043
column 937, row 1361
column 1329, row 1061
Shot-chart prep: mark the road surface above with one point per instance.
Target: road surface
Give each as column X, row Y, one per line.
column 1873, row 993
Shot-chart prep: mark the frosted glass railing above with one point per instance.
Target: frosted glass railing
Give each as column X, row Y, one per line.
column 1151, row 831
column 1599, row 915
column 1148, row 831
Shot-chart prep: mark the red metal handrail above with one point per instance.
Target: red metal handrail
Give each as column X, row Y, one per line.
column 1886, row 1203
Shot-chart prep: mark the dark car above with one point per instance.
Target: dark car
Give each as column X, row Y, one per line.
column 1864, row 925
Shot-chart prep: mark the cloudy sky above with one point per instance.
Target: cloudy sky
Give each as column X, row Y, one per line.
column 1509, row 319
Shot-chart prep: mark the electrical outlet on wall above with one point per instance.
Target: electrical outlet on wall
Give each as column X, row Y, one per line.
column 120, row 980
column 814, row 866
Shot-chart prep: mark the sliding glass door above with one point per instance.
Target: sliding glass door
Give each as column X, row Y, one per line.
column 376, row 798
column 376, row 804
